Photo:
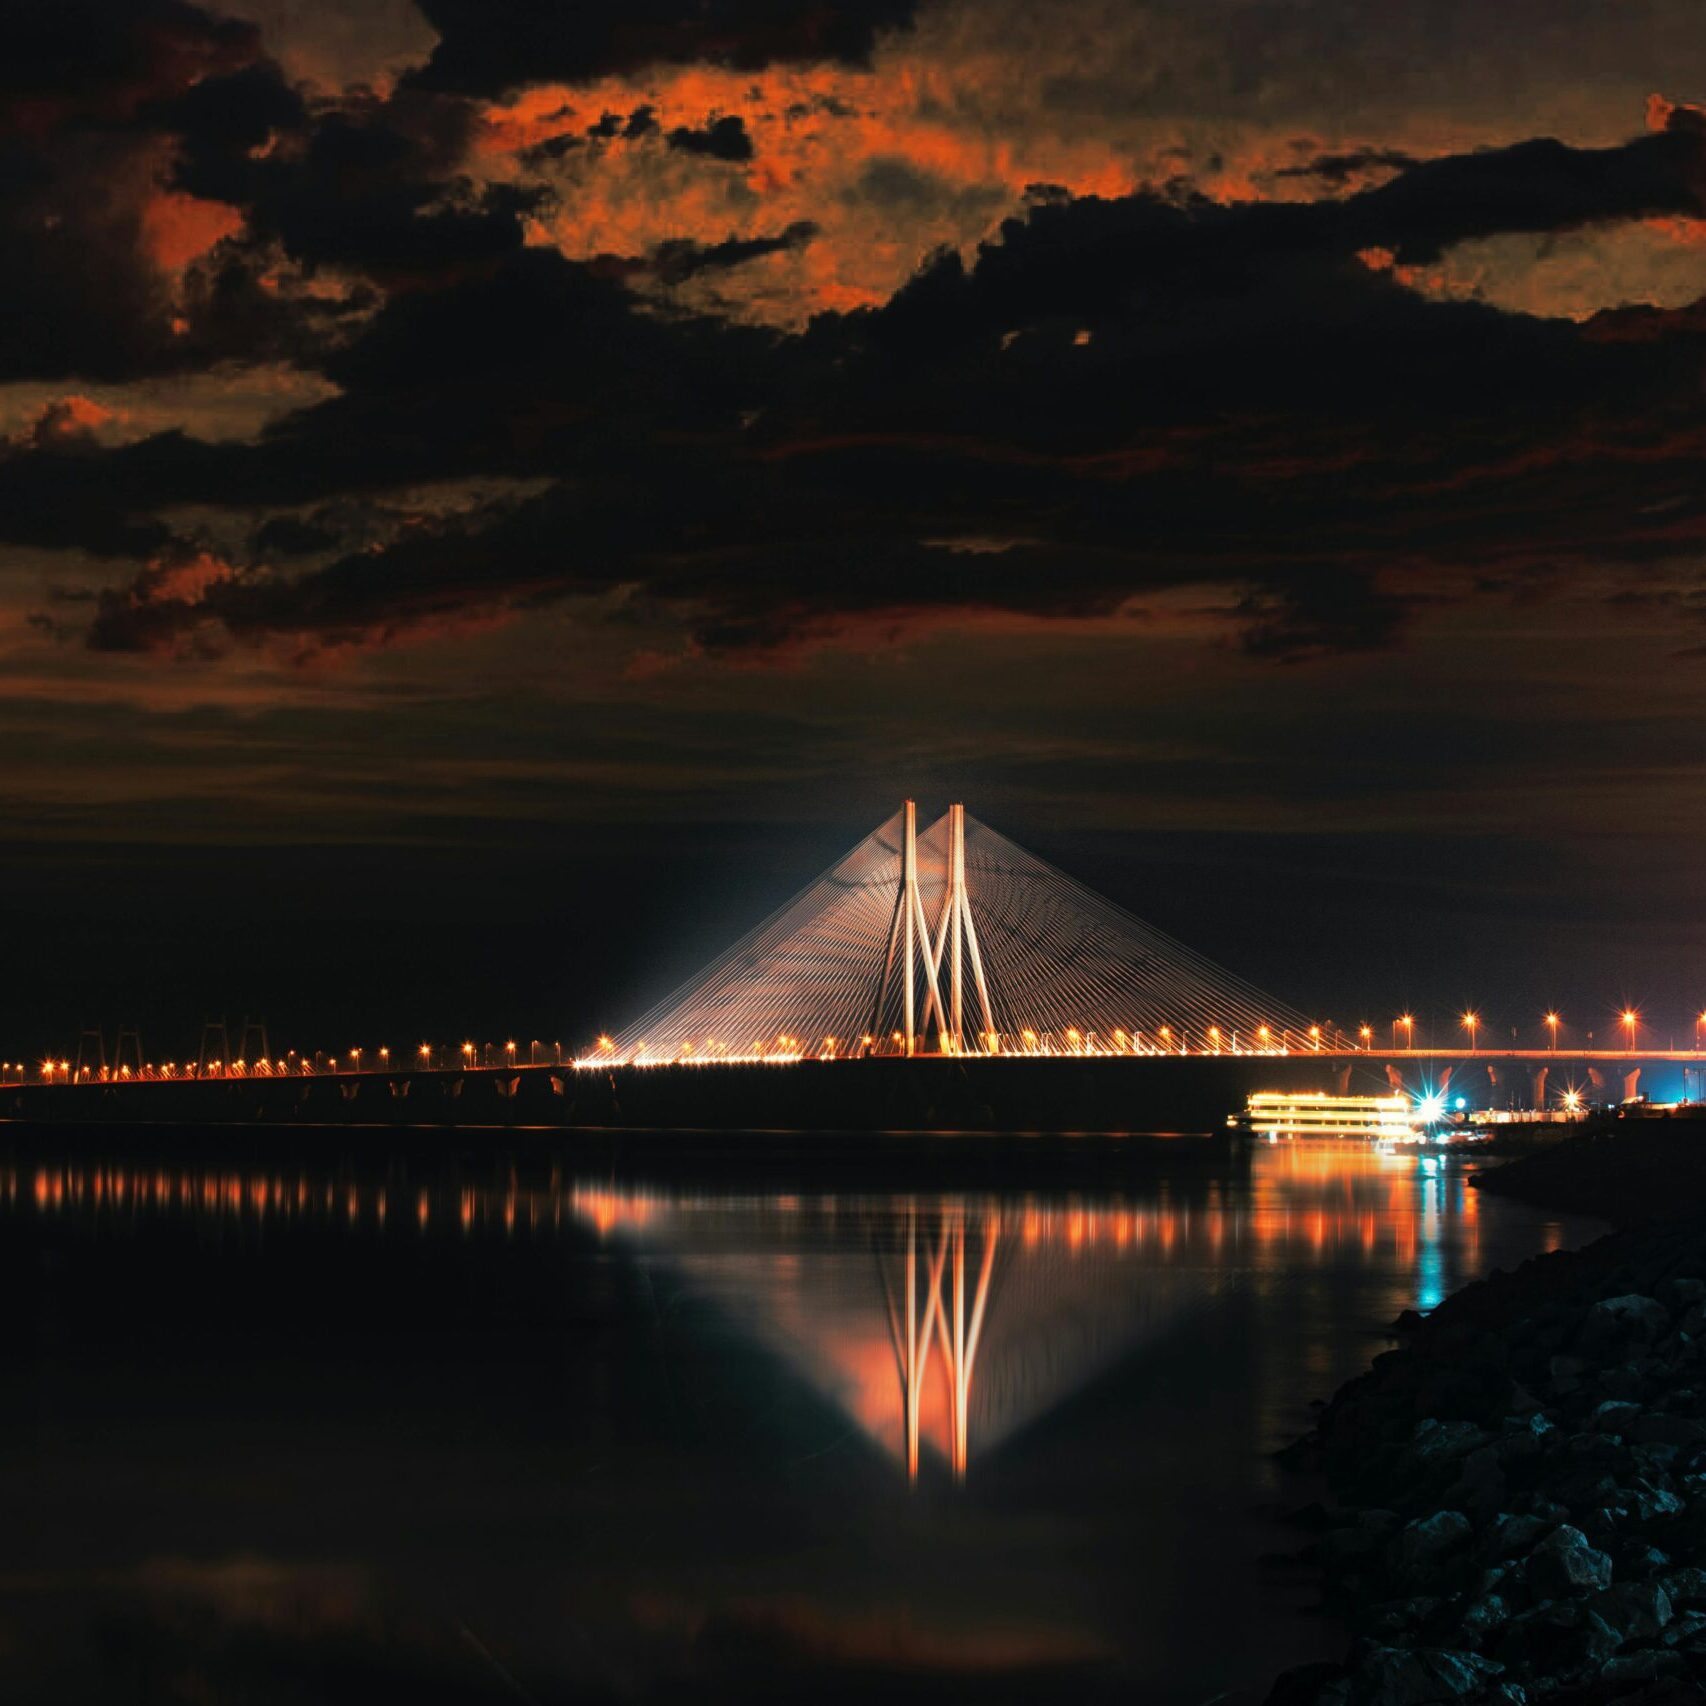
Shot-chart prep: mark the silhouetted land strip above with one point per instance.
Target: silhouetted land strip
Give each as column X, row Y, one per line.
column 1621, row 1170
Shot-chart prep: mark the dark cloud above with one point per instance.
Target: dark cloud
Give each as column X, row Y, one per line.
column 291, row 536
column 101, row 60
column 717, row 139
column 492, row 47
column 681, row 259
column 1115, row 398
column 1343, row 167
column 372, row 184
column 78, row 166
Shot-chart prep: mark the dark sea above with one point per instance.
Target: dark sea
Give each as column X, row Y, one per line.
column 375, row 1429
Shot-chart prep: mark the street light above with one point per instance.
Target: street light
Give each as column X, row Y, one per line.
column 1407, row 1022
column 1631, row 1022
column 1552, row 1026
column 1315, row 1037
column 1470, row 1021
column 1367, row 1036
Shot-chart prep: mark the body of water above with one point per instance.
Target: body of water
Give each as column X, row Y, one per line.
column 367, row 1431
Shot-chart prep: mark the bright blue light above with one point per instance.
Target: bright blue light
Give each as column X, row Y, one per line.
column 1430, row 1108
column 1461, row 1103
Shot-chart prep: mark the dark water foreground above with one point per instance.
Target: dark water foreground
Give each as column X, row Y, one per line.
column 508, row 1430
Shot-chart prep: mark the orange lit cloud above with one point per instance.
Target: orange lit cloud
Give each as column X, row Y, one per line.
column 177, row 228
column 873, row 160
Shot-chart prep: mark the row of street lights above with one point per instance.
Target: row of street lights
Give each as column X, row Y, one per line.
column 428, row 1056
column 1629, row 1018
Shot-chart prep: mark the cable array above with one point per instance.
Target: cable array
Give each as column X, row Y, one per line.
column 1071, row 971
column 801, row 982
column 1067, row 971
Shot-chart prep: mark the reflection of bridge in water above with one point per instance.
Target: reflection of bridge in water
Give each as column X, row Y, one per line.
column 939, row 1325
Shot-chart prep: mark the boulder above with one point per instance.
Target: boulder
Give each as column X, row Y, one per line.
column 1480, row 1484
column 1483, row 1618
column 1686, row 1630
column 1614, row 1416
column 1564, row 1563
column 1506, row 1535
column 1627, row 1669
column 1434, row 1442
column 1615, row 1321
column 1657, row 1428
column 1686, row 1586
column 1636, row 1611
column 1560, row 1639
column 1420, row 1548
column 1419, row 1676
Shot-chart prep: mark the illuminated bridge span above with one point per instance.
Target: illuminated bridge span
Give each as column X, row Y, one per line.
column 952, row 942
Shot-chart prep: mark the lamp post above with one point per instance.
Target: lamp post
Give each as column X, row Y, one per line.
column 1631, row 1023
column 1470, row 1023
column 1367, row 1038
column 1407, row 1023
column 1552, row 1026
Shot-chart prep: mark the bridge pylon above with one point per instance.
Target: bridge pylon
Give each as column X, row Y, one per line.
column 131, row 1036
column 96, row 1056
column 917, row 953
column 214, row 1032
column 256, row 1028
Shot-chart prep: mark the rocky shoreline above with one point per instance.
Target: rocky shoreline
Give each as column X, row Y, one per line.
column 1520, row 1487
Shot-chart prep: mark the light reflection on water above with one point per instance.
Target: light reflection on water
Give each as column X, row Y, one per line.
column 625, row 1438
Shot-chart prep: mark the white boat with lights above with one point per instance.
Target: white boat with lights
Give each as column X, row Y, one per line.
column 1394, row 1118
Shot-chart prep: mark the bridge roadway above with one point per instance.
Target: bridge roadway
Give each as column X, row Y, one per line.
column 340, row 1072
column 883, row 1098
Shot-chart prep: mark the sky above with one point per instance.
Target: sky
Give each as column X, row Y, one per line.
column 494, row 494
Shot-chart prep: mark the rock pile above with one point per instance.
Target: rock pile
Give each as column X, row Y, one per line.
column 1523, row 1490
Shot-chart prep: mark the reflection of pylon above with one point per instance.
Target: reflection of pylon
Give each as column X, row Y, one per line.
column 256, row 1028
column 960, row 1345
column 213, row 1031
column 926, row 1318
column 97, row 1056
column 128, row 1034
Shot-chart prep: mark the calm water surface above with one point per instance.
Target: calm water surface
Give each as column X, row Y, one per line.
column 363, row 1433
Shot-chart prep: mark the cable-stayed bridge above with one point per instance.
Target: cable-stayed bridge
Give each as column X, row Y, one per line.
column 967, row 971
column 956, row 941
